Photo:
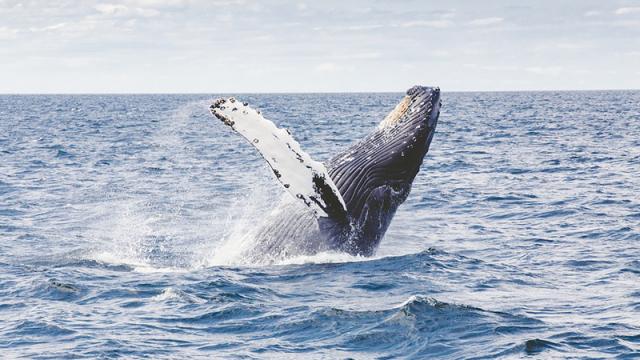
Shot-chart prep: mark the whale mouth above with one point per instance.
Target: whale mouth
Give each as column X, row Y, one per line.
column 410, row 126
column 418, row 99
column 423, row 105
column 414, row 115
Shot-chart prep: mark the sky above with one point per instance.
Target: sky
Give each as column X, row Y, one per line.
column 225, row 46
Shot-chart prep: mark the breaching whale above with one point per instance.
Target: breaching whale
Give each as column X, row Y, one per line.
column 348, row 204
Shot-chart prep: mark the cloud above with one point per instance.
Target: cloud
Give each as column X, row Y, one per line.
column 486, row 21
column 565, row 45
column 347, row 51
column 492, row 67
column 112, row 9
column 363, row 27
column 327, row 67
column 147, row 12
column 626, row 23
column 157, row 3
column 48, row 28
column 440, row 53
column 574, row 45
column 7, row 33
column 359, row 56
column 544, row 70
column 119, row 10
column 448, row 14
column 627, row 10
column 440, row 24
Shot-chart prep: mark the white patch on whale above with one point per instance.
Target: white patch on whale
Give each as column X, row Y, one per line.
column 293, row 167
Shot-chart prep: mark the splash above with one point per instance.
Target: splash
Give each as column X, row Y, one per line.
column 244, row 219
column 179, row 216
column 329, row 257
column 156, row 222
column 148, row 221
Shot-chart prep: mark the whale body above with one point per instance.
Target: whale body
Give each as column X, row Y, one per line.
column 347, row 204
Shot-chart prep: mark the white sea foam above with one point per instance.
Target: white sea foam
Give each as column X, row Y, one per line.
column 328, row 257
column 160, row 232
column 241, row 223
column 154, row 231
column 172, row 294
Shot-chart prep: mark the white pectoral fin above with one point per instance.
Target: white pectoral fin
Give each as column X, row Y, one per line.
column 303, row 177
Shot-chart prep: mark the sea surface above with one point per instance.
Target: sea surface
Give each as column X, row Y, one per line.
column 121, row 216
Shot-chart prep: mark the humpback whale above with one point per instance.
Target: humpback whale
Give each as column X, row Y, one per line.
column 347, row 204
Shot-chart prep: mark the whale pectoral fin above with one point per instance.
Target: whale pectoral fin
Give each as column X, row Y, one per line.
column 304, row 178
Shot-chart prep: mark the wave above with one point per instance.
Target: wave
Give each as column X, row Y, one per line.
column 421, row 326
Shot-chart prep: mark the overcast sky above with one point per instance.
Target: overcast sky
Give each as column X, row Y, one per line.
column 73, row 46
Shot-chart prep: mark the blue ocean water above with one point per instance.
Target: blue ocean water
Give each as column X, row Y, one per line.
column 121, row 215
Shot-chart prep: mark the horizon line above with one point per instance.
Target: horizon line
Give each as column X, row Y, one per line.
column 305, row 92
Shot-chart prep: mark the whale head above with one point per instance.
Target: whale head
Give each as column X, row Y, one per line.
column 374, row 176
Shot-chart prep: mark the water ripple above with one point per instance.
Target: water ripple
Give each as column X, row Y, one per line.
column 122, row 216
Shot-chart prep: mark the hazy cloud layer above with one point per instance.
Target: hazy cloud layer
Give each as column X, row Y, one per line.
column 256, row 46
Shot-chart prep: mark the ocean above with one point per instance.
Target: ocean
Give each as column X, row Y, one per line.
column 121, row 217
